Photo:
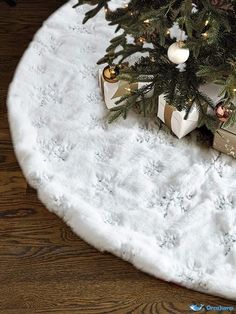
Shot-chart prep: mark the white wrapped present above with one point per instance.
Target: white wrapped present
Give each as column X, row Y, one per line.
column 113, row 90
column 212, row 91
column 175, row 120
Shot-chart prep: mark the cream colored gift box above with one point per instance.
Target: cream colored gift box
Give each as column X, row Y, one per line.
column 174, row 119
column 112, row 92
column 225, row 140
column 212, row 91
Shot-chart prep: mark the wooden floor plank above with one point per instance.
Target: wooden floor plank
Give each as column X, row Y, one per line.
column 44, row 266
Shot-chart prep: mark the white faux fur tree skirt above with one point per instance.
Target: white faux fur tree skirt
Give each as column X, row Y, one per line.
column 168, row 206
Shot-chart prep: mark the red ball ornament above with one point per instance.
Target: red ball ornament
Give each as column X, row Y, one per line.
column 222, row 112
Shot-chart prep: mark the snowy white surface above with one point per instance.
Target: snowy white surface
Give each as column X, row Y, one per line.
column 115, row 4
column 177, row 33
column 168, row 206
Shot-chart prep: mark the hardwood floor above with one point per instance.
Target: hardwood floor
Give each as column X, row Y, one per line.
column 44, row 267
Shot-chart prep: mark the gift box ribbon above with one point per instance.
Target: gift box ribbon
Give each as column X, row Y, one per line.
column 124, row 88
column 168, row 114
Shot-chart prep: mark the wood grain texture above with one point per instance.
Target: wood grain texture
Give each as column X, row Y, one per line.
column 44, row 267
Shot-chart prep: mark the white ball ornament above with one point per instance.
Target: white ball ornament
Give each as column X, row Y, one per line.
column 177, row 53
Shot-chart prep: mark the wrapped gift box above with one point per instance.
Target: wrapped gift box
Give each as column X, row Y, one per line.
column 225, row 140
column 174, row 119
column 212, row 90
column 112, row 92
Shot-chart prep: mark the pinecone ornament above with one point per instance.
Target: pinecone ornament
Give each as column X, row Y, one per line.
column 222, row 5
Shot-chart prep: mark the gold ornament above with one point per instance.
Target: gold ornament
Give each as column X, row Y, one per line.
column 110, row 74
column 140, row 40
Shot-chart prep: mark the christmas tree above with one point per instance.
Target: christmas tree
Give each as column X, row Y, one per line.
column 178, row 45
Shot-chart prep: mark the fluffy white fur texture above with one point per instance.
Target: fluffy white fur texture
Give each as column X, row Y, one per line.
column 167, row 206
